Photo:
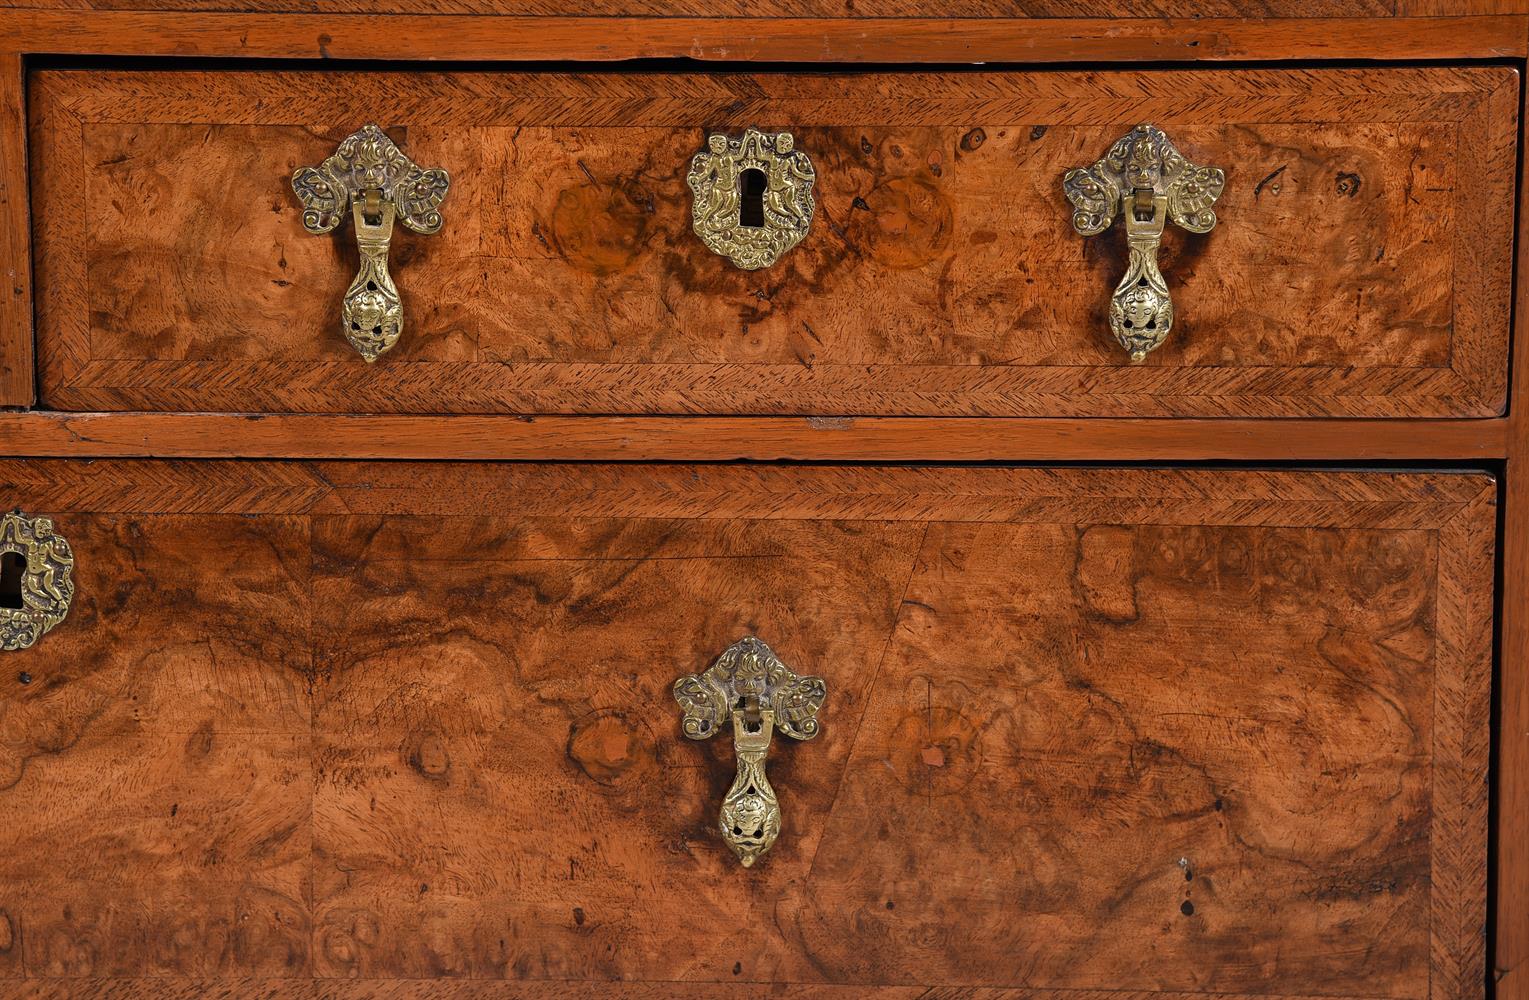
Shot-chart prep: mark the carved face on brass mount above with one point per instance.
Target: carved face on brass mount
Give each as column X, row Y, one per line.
column 1145, row 179
column 749, row 687
column 371, row 176
column 373, row 319
column 41, row 564
column 753, row 196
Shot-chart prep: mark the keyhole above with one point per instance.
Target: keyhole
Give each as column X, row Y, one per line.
column 13, row 565
column 751, row 211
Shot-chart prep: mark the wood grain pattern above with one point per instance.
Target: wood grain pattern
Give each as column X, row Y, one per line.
column 1454, row 8
column 179, row 946
column 16, row 339
column 166, row 988
column 160, row 750
column 1146, row 732
column 941, row 277
column 412, row 38
column 1110, row 9
column 826, row 439
column 1511, row 930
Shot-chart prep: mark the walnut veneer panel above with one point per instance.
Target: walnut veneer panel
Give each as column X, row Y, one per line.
column 1361, row 267
column 765, row 8
column 1088, row 730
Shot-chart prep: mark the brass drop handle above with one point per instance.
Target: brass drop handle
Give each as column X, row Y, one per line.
column 41, row 565
column 1147, row 180
column 751, row 689
column 369, row 174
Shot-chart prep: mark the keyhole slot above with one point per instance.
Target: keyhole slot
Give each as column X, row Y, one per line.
column 13, row 566
column 751, row 189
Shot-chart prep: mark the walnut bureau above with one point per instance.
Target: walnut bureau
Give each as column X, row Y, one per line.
column 832, row 500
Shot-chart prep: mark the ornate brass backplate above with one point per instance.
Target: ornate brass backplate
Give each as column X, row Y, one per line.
column 749, row 687
column 47, row 584
column 1147, row 180
column 753, row 196
column 369, row 176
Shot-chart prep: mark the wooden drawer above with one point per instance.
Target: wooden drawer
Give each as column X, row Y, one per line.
column 1361, row 266
column 1180, row 732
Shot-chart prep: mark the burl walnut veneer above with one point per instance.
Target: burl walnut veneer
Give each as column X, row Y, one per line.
column 1365, row 272
column 381, row 721
column 1203, row 676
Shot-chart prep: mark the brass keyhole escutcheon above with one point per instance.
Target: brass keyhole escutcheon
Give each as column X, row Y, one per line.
column 752, row 196
column 36, row 579
column 749, row 688
column 1145, row 179
column 370, row 178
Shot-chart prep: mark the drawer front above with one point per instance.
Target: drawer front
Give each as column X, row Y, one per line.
column 1360, row 266
column 1166, row 731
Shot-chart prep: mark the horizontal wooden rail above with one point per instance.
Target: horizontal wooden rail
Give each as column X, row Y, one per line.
column 836, row 439
column 882, row 40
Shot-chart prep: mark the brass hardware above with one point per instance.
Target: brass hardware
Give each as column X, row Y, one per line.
column 371, row 177
column 1145, row 178
column 749, row 686
column 47, row 584
column 784, row 177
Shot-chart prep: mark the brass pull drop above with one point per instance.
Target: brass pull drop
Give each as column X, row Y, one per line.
column 380, row 184
column 749, row 687
column 372, row 313
column 1145, row 178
